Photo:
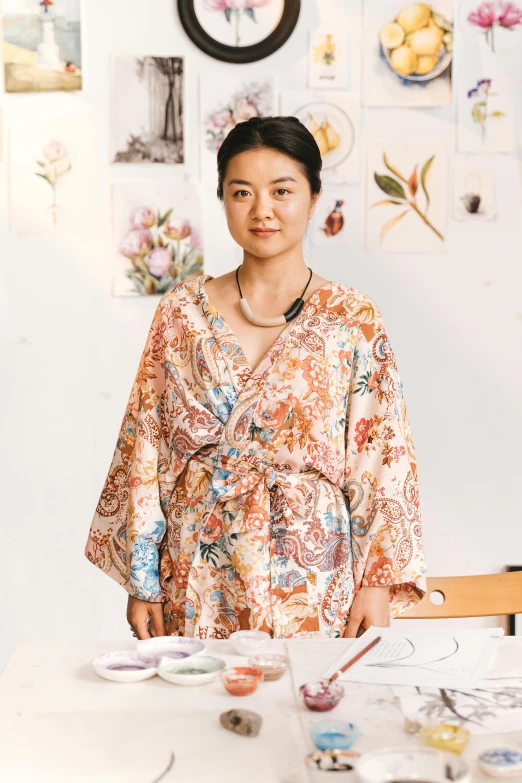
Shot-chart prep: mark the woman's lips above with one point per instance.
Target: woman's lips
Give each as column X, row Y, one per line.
column 263, row 232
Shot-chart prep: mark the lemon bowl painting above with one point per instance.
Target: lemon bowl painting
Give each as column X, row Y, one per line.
column 418, row 43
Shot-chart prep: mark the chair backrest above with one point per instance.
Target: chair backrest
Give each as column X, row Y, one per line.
column 469, row 596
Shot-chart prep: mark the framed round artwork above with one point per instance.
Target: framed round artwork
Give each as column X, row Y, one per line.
column 239, row 31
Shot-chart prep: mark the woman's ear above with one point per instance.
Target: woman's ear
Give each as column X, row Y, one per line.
column 313, row 204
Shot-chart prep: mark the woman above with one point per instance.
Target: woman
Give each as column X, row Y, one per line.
column 264, row 476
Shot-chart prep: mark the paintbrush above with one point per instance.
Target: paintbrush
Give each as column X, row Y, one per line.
column 353, row 660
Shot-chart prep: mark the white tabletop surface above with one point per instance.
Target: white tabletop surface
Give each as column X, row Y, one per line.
column 61, row 723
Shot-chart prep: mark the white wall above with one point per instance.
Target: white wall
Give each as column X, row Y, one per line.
column 70, row 351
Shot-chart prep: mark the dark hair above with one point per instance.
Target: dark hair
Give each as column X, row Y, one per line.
column 284, row 134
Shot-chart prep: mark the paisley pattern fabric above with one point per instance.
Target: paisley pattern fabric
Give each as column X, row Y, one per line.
column 263, row 499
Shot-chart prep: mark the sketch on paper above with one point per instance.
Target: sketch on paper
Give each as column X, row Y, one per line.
column 494, row 25
column 410, row 217
column 53, row 166
column 147, row 110
column 408, row 52
column 473, row 193
column 334, row 122
column 329, row 226
column 225, row 102
column 158, row 236
column 53, row 177
column 326, row 60
column 42, row 45
column 243, row 23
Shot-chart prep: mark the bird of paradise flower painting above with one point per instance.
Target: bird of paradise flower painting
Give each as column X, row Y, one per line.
column 411, row 215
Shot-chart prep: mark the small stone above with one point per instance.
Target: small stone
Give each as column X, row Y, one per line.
column 242, row 722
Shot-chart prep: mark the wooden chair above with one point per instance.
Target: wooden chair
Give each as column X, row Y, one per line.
column 469, row 596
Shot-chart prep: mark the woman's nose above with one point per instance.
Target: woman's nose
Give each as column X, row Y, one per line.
column 262, row 209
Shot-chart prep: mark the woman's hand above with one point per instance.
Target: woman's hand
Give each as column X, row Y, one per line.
column 138, row 613
column 371, row 606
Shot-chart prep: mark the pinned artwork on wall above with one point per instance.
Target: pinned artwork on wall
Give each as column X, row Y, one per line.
column 42, row 45
column 53, row 180
column 329, row 223
column 147, row 122
column 485, row 114
column 407, row 53
column 327, row 62
column 158, row 235
column 241, row 31
column 406, row 197
column 494, row 26
column 227, row 100
column 473, row 193
column 334, row 122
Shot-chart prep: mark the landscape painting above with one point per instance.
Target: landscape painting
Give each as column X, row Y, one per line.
column 147, row 122
column 42, row 45
column 158, row 235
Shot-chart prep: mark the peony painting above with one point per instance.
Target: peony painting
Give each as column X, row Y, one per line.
column 407, row 53
column 53, row 172
column 42, row 45
column 147, row 119
column 494, row 26
column 225, row 102
column 406, row 197
column 157, row 235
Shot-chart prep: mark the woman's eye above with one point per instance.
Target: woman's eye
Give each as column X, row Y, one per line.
column 282, row 189
column 240, row 192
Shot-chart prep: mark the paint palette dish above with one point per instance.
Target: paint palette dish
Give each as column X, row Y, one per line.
column 249, row 642
column 418, row 765
column 273, row 666
column 502, row 762
column 123, row 666
column 175, row 647
column 241, row 680
column 331, row 734
column 196, row 670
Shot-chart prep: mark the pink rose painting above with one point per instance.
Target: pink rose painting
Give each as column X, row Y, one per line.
column 489, row 16
column 253, row 100
column 162, row 249
column 55, row 165
column 235, row 11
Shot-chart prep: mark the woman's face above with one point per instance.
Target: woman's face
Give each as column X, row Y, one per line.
column 265, row 189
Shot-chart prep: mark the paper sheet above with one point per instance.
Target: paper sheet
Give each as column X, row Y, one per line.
column 423, row 657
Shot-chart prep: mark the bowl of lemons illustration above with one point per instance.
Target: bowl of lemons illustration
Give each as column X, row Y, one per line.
column 418, row 43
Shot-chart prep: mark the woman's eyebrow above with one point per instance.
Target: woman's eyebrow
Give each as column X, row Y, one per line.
column 273, row 182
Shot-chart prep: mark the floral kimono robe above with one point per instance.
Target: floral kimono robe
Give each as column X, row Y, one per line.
column 264, row 499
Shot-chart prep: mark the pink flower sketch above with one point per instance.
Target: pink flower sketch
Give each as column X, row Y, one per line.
column 254, row 100
column 235, row 9
column 495, row 13
column 56, row 164
column 162, row 250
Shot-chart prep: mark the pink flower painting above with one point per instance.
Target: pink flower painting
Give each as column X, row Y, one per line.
column 55, row 165
column 494, row 14
column 162, row 249
column 235, row 11
column 254, row 100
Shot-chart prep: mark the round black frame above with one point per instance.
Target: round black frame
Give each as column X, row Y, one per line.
column 239, row 54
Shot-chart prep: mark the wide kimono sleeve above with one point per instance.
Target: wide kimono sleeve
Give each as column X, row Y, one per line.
column 130, row 523
column 381, row 471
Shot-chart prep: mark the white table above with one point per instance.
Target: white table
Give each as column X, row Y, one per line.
column 61, row 723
